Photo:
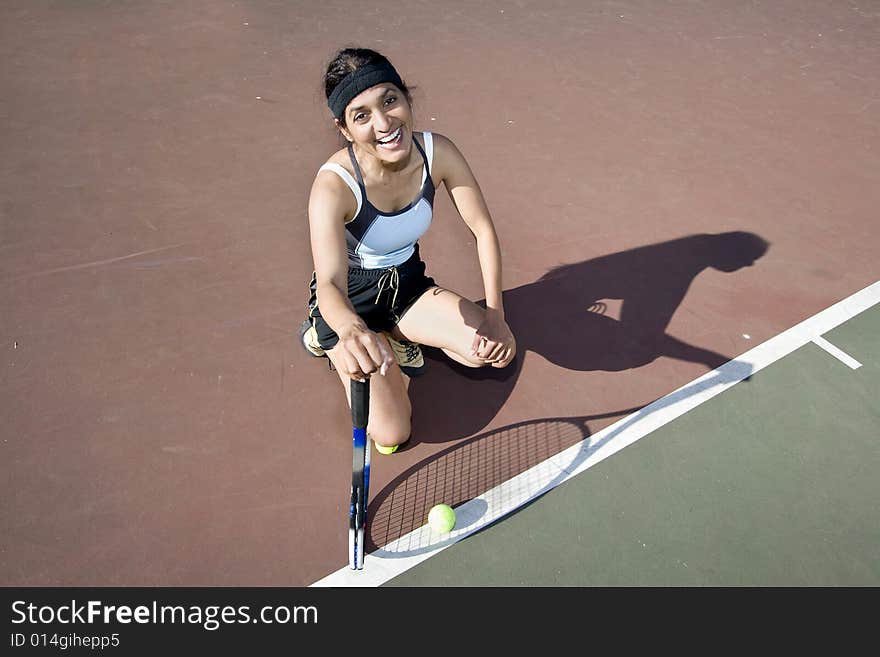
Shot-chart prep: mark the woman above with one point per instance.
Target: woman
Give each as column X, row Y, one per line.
column 371, row 303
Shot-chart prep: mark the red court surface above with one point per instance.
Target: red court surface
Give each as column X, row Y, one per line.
column 673, row 183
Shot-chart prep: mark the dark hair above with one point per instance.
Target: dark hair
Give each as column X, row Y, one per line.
column 348, row 60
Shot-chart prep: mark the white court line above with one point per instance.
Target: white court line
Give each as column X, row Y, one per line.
column 839, row 354
column 379, row 567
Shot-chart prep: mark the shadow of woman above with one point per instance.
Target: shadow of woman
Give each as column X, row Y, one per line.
column 560, row 316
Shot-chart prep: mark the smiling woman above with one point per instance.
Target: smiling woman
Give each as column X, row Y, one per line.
column 371, row 302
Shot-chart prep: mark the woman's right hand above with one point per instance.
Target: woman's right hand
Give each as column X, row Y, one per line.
column 361, row 352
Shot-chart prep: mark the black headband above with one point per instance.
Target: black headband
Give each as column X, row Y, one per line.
column 361, row 80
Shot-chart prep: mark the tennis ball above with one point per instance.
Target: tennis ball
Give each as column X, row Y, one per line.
column 441, row 518
column 385, row 450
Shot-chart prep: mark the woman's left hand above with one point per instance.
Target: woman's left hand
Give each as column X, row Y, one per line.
column 494, row 342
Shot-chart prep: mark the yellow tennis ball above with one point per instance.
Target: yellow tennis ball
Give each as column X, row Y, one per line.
column 441, row 518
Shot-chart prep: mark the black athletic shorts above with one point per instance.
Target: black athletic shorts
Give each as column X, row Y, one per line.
column 379, row 296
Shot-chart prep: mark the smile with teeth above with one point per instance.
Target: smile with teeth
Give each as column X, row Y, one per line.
column 391, row 140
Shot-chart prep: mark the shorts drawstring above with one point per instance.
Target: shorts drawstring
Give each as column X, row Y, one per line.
column 379, row 296
column 389, row 280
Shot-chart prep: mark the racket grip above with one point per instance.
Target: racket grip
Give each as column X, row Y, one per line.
column 360, row 403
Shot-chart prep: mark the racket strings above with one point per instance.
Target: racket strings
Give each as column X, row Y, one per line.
column 468, row 471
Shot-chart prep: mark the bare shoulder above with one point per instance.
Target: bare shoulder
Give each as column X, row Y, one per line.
column 330, row 193
column 449, row 162
column 443, row 145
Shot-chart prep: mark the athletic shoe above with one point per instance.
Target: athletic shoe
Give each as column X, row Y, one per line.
column 309, row 338
column 409, row 356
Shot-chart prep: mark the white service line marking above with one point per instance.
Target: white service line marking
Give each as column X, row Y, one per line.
column 838, row 353
column 512, row 494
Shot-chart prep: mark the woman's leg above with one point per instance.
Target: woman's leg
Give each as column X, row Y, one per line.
column 390, row 408
column 441, row 318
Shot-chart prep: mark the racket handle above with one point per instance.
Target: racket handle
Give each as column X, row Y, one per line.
column 360, row 403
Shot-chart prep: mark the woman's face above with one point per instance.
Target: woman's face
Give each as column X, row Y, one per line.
column 379, row 121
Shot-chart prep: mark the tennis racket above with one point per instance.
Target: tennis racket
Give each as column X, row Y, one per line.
column 360, row 473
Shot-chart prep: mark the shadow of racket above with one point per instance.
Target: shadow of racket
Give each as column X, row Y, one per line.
column 486, row 477
column 497, row 470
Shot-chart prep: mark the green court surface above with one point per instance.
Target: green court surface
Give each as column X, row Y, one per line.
column 771, row 483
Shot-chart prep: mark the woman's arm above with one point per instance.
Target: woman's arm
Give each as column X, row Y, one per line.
column 360, row 350
column 494, row 341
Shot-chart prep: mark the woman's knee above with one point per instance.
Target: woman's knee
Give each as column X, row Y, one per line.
column 392, row 433
column 391, row 419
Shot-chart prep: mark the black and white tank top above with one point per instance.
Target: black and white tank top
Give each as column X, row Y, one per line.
column 379, row 240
